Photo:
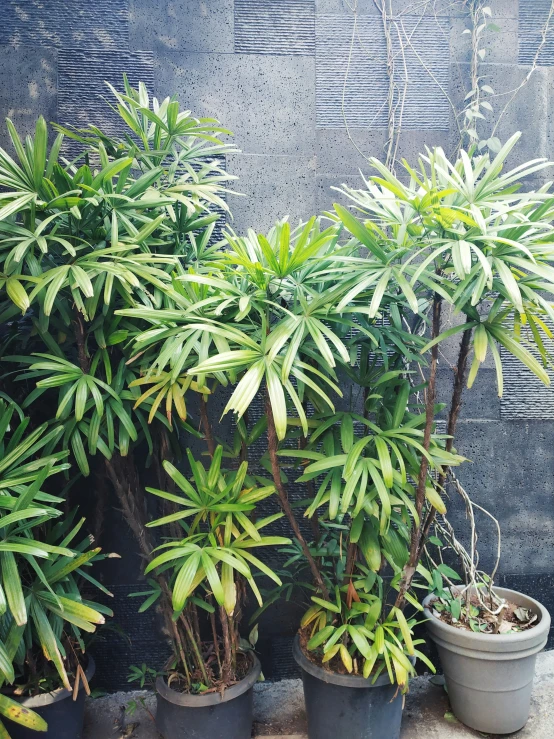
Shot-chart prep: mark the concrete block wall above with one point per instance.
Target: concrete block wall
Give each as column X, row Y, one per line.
column 274, row 72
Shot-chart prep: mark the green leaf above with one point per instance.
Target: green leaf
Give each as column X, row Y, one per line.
column 17, row 294
column 48, row 642
column 321, row 636
column 185, row 579
column 17, row 713
column 358, row 230
column 360, row 641
column 12, row 587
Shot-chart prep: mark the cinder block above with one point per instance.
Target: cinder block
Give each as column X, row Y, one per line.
column 500, row 46
column 267, row 101
column 526, row 111
column 188, row 25
column 449, row 348
column 275, row 27
column 479, row 402
column 507, row 8
column 28, row 79
column 444, row 8
column 274, row 187
column 550, row 117
column 364, row 7
column 342, row 151
column 413, row 143
column 525, row 396
column 506, row 476
column 102, row 24
column 452, row 8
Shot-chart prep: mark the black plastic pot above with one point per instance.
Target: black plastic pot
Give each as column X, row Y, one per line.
column 348, row 705
column 210, row 716
column 63, row 715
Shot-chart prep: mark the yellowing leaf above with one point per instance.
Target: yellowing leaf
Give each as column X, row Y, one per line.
column 434, row 497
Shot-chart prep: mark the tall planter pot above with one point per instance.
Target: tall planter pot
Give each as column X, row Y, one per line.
column 348, row 705
column 490, row 676
column 210, row 716
column 64, row 716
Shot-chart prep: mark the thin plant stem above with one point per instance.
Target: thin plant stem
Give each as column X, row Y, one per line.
column 195, row 648
column 206, row 426
column 227, row 646
column 283, row 497
column 430, row 395
column 453, row 415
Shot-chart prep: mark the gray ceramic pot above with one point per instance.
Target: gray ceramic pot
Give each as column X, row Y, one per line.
column 490, row 676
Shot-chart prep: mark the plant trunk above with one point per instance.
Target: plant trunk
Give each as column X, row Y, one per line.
column 195, row 648
column 227, row 669
column 273, row 446
column 206, row 427
column 80, row 338
column 124, row 478
column 453, row 415
column 410, row 566
column 314, row 520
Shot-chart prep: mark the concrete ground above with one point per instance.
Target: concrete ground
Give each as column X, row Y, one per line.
column 279, row 712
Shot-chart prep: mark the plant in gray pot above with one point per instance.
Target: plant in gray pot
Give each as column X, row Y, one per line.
column 459, row 236
column 486, row 255
column 488, row 640
column 44, row 669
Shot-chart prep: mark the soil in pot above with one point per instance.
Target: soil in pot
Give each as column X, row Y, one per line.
column 63, row 715
column 343, row 705
column 470, row 614
column 490, row 676
column 226, row 714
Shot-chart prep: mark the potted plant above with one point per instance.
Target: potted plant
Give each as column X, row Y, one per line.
column 274, row 315
column 45, row 670
column 81, row 238
column 207, row 688
column 289, row 316
column 483, row 247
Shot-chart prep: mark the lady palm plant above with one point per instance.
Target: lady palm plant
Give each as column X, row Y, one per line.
column 42, row 612
column 476, row 242
column 133, row 310
column 80, row 239
column 304, row 319
column 266, row 316
column 209, row 558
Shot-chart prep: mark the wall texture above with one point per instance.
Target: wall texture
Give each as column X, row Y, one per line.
column 303, row 84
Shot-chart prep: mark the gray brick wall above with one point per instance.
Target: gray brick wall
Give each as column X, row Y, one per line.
column 305, row 93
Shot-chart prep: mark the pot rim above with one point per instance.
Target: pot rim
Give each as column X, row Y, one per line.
column 60, row 694
column 326, row 676
column 211, row 699
column 542, row 627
